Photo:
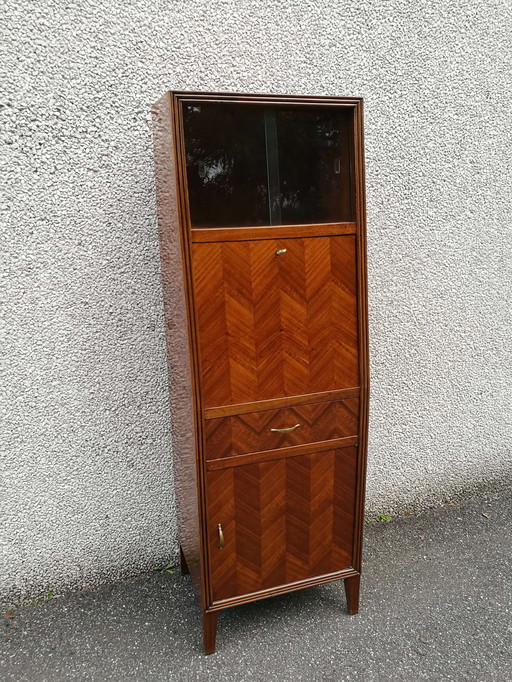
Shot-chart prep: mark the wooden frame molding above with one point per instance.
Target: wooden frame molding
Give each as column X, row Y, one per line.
column 230, row 234
column 242, row 408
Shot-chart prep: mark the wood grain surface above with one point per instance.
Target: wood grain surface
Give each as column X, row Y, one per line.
column 276, row 232
column 238, row 434
column 276, row 326
column 282, row 521
column 280, row 453
column 177, row 306
column 277, row 403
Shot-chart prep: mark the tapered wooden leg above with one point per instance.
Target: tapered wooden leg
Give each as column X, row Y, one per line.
column 352, row 592
column 209, row 630
column 183, row 563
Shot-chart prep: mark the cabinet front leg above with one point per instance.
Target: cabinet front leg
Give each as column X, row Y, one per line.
column 352, row 593
column 183, row 563
column 209, row 630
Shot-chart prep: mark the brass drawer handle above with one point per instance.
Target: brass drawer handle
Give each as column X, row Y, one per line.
column 290, row 428
column 221, row 537
column 280, row 252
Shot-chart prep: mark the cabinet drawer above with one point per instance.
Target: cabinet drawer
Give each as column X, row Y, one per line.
column 273, row 429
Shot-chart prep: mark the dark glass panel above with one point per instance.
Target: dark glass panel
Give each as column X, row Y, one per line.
column 226, row 165
column 314, row 165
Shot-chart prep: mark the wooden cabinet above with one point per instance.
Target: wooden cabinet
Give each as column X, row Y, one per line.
column 262, row 235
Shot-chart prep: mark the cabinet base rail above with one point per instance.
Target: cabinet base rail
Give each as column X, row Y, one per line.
column 210, row 616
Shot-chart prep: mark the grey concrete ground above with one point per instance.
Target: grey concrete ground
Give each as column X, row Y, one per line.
column 436, row 605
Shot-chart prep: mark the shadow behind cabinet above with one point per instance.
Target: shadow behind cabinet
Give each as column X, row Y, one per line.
column 262, row 236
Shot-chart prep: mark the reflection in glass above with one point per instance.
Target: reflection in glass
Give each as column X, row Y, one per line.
column 314, row 172
column 226, row 165
column 251, row 165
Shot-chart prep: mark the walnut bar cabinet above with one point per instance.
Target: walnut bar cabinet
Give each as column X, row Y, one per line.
column 261, row 213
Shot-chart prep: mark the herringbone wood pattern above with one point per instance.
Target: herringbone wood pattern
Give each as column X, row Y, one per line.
column 272, row 327
column 283, row 521
column 238, row 434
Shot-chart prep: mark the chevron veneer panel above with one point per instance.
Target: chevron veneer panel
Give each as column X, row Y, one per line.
column 272, row 327
column 283, row 521
column 238, row 434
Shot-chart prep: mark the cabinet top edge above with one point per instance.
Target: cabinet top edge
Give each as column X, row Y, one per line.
column 264, row 97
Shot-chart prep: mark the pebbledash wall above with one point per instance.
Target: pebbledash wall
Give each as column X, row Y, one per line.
column 87, row 490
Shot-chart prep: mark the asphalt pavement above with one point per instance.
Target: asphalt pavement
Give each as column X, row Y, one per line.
column 435, row 605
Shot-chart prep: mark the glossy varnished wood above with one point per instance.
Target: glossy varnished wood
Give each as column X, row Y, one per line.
column 209, row 630
column 283, row 589
column 177, row 305
column 275, row 403
column 252, row 432
column 283, row 521
column 231, row 234
column 362, row 325
column 280, row 453
column 266, row 99
column 276, row 326
column 352, row 594
column 247, row 334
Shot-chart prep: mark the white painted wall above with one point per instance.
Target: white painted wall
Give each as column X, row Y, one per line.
column 87, row 491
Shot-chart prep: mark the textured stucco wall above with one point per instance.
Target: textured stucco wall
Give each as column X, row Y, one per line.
column 87, row 491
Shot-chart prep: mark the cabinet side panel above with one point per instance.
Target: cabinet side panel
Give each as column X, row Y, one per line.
column 177, row 340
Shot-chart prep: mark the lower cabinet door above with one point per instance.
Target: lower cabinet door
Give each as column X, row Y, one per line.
column 281, row 521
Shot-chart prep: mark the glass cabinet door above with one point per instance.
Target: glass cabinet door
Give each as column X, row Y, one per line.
column 255, row 165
